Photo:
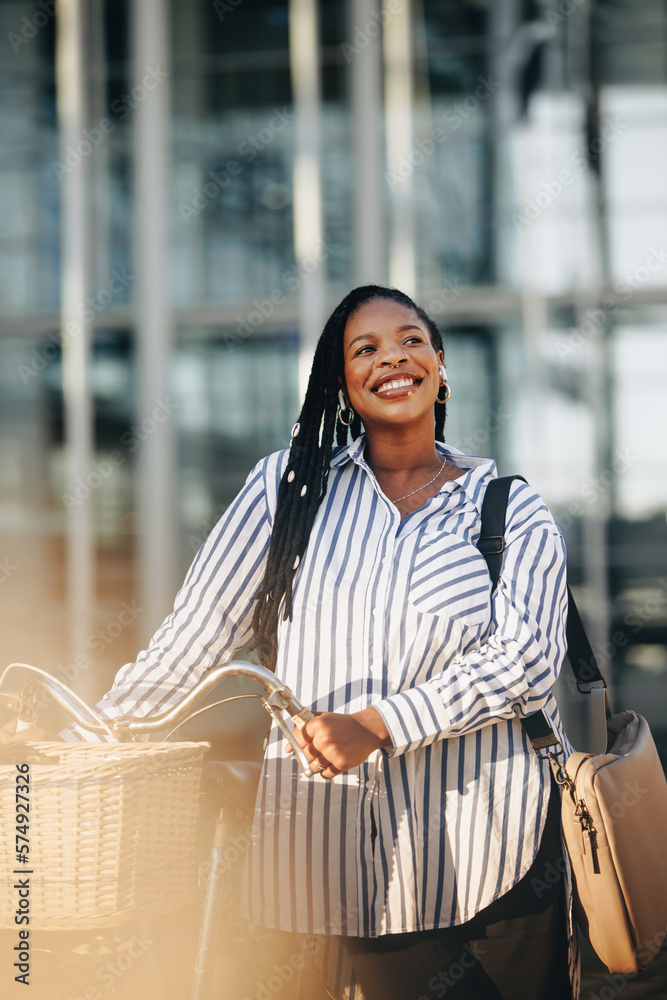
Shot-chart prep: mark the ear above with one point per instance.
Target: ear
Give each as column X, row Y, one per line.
column 441, row 358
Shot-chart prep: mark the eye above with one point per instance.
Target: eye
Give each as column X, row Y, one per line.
column 362, row 350
column 414, row 337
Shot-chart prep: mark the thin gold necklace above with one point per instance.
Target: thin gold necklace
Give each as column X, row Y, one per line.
column 444, row 462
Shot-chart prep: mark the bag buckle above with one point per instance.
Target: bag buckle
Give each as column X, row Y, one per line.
column 546, row 743
column 585, row 687
column 491, row 545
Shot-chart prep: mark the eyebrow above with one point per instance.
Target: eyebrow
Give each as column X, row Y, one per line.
column 399, row 329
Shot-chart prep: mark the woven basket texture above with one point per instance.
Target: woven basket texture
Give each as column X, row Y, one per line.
column 112, row 831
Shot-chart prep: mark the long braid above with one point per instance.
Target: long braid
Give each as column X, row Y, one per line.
column 302, row 488
column 304, row 482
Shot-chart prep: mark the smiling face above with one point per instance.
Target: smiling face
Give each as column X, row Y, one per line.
column 390, row 365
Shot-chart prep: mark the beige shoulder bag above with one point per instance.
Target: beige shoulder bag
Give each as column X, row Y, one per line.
column 614, row 801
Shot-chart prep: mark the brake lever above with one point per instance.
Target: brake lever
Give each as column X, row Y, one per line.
column 299, row 721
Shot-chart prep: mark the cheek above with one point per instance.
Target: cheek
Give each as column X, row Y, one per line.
column 355, row 376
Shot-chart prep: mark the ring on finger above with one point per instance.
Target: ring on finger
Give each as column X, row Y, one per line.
column 320, row 767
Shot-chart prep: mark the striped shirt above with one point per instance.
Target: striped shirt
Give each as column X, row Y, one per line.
column 397, row 614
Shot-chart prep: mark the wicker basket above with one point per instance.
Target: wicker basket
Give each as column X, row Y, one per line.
column 112, row 831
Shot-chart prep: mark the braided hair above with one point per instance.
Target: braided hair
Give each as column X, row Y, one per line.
column 304, row 482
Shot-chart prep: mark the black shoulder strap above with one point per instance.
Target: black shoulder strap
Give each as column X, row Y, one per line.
column 580, row 653
column 492, row 538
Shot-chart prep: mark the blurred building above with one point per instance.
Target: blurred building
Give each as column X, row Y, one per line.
column 188, row 188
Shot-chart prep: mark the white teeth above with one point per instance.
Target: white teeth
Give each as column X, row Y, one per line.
column 399, row 383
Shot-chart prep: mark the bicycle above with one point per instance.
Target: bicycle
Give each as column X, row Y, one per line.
column 177, row 769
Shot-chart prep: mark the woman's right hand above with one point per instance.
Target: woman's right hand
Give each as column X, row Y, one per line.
column 334, row 741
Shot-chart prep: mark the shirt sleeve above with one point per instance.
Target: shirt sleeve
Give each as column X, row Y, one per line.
column 513, row 671
column 212, row 612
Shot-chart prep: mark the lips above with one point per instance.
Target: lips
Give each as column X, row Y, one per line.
column 395, row 383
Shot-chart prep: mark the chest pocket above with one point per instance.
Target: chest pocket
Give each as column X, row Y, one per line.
column 449, row 577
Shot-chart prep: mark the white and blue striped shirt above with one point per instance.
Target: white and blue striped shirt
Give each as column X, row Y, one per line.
column 398, row 615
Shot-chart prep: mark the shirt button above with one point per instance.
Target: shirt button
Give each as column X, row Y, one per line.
column 374, row 611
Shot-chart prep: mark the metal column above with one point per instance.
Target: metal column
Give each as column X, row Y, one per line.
column 156, row 482
column 309, row 247
column 365, row 83
column 399, row 128
column 72, row 90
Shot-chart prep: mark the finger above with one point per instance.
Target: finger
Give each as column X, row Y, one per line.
column 288, row 746
column 328, row 771
column 317, row 762
column 301, row 737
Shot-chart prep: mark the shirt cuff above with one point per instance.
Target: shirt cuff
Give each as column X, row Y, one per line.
column 412, row 720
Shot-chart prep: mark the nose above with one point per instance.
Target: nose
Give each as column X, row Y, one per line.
column 393, row 357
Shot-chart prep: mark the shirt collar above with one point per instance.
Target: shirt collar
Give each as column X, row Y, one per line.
column 473, row 483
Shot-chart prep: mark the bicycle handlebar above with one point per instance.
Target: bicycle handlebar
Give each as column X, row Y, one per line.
column 25, row 703
column 280, row 699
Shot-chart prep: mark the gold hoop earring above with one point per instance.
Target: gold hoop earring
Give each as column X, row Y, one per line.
column 442, row 371
column 343, row 409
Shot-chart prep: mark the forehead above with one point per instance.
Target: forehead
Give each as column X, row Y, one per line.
column 380, row 316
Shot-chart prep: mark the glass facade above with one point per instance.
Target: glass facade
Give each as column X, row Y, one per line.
column 529, row 191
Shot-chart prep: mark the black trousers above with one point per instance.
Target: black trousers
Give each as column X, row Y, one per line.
column 514, row 949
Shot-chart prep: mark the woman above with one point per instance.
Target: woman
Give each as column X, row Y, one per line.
column 357, row 570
